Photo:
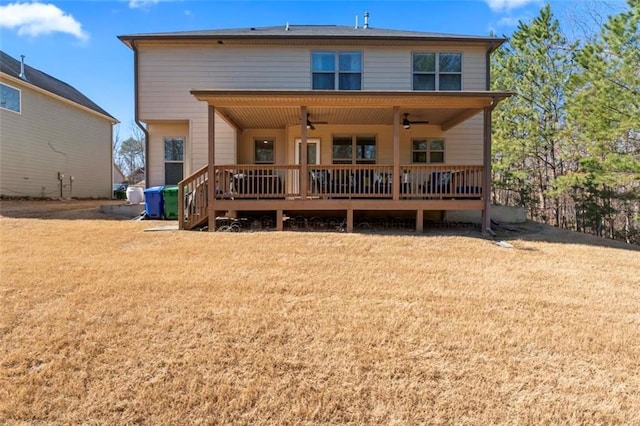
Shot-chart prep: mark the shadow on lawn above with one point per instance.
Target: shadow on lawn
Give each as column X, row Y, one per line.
column 538, row 232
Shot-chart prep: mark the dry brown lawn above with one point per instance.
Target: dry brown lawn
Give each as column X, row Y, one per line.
column 101, row 322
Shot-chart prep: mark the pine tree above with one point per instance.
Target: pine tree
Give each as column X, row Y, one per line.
column 529, row 127
column 604, row 118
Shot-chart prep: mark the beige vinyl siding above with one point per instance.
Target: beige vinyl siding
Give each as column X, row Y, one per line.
column 51, row 136
column 386, row 69
column 463, row 143
column 167, row 74
column 155, row 160
column 474, row 69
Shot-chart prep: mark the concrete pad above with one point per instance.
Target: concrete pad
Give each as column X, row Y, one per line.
column 501, row 214
column 127, row 210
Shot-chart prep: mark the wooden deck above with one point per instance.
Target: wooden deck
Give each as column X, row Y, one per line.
column 348, row 188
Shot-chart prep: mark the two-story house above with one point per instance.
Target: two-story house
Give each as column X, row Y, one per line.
column 317, row 119
column 54, row 141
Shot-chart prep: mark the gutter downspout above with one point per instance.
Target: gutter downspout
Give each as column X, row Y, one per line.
column 136, row 115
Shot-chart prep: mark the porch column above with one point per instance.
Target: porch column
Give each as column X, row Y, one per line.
column 303, row 153
column 486, row 176
column 211, row 212
column 396, row 153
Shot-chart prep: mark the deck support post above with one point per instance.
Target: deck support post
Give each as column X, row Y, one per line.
column 279, row 220
column 419, row 221
column 211, row 185
column 349, row 220
column 396, row 153
column 303, row 153
column 486, row 176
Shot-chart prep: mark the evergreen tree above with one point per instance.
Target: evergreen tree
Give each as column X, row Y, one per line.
column 529, row 140
column 604, row 116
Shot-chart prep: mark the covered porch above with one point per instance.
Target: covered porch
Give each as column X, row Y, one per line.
column 303, row 184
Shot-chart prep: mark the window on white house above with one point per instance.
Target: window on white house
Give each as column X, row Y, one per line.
column 428, row 150
column 348, row 148
column 173, row 160
column 263, row 149
column 9, row 98
column 437, row 71
column 332, row 69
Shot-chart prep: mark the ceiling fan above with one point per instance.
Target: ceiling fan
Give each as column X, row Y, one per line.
column 406, row 123
column 311, row 126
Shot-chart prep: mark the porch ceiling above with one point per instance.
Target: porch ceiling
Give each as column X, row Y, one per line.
column 274, row 110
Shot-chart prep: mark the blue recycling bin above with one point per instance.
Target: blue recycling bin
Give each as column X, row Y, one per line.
column 154, row 206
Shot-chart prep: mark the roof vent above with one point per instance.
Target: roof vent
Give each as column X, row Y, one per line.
column 252, row 28
column 22, row 74
column 286, row 28
column 366, row 20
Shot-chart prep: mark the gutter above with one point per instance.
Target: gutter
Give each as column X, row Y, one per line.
column 130, row 39
column 492, row 48
column 136, row 113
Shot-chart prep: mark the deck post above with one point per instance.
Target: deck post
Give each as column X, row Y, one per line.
column 396, row 153
column 349, row 220
column 211, row 212
column 181, row 206
column 486, row 176
column 279, row 220
column 419, row 221
column 303, row 153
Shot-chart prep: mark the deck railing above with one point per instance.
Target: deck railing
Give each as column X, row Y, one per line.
column 440, row 181
column 348, row 181
column 256, row 181
column 192, row 199
column 362, row 181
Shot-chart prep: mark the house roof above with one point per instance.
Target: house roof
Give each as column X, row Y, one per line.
column 317, row 32
column 11, row 67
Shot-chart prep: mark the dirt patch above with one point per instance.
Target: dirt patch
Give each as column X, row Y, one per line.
column 57, row 209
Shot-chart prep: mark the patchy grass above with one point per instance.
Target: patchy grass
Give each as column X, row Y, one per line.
column 102, row 322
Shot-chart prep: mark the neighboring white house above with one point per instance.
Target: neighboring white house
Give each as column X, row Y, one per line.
column 317, row 118
column 54, row 141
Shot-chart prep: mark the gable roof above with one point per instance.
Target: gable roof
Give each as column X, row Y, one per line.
column 11, row 67
column 312, row 32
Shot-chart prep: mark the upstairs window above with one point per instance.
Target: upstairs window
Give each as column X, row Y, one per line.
column 9, row 98
column 437, row 71
column 332, row 69
column 263, row 151
column 428, row 150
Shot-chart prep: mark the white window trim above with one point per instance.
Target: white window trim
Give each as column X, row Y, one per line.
column 336, row 71
column 437, row 70
column 19, row 100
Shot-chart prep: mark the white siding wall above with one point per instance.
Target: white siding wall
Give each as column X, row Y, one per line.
column 167, row 74
column 51, row 136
